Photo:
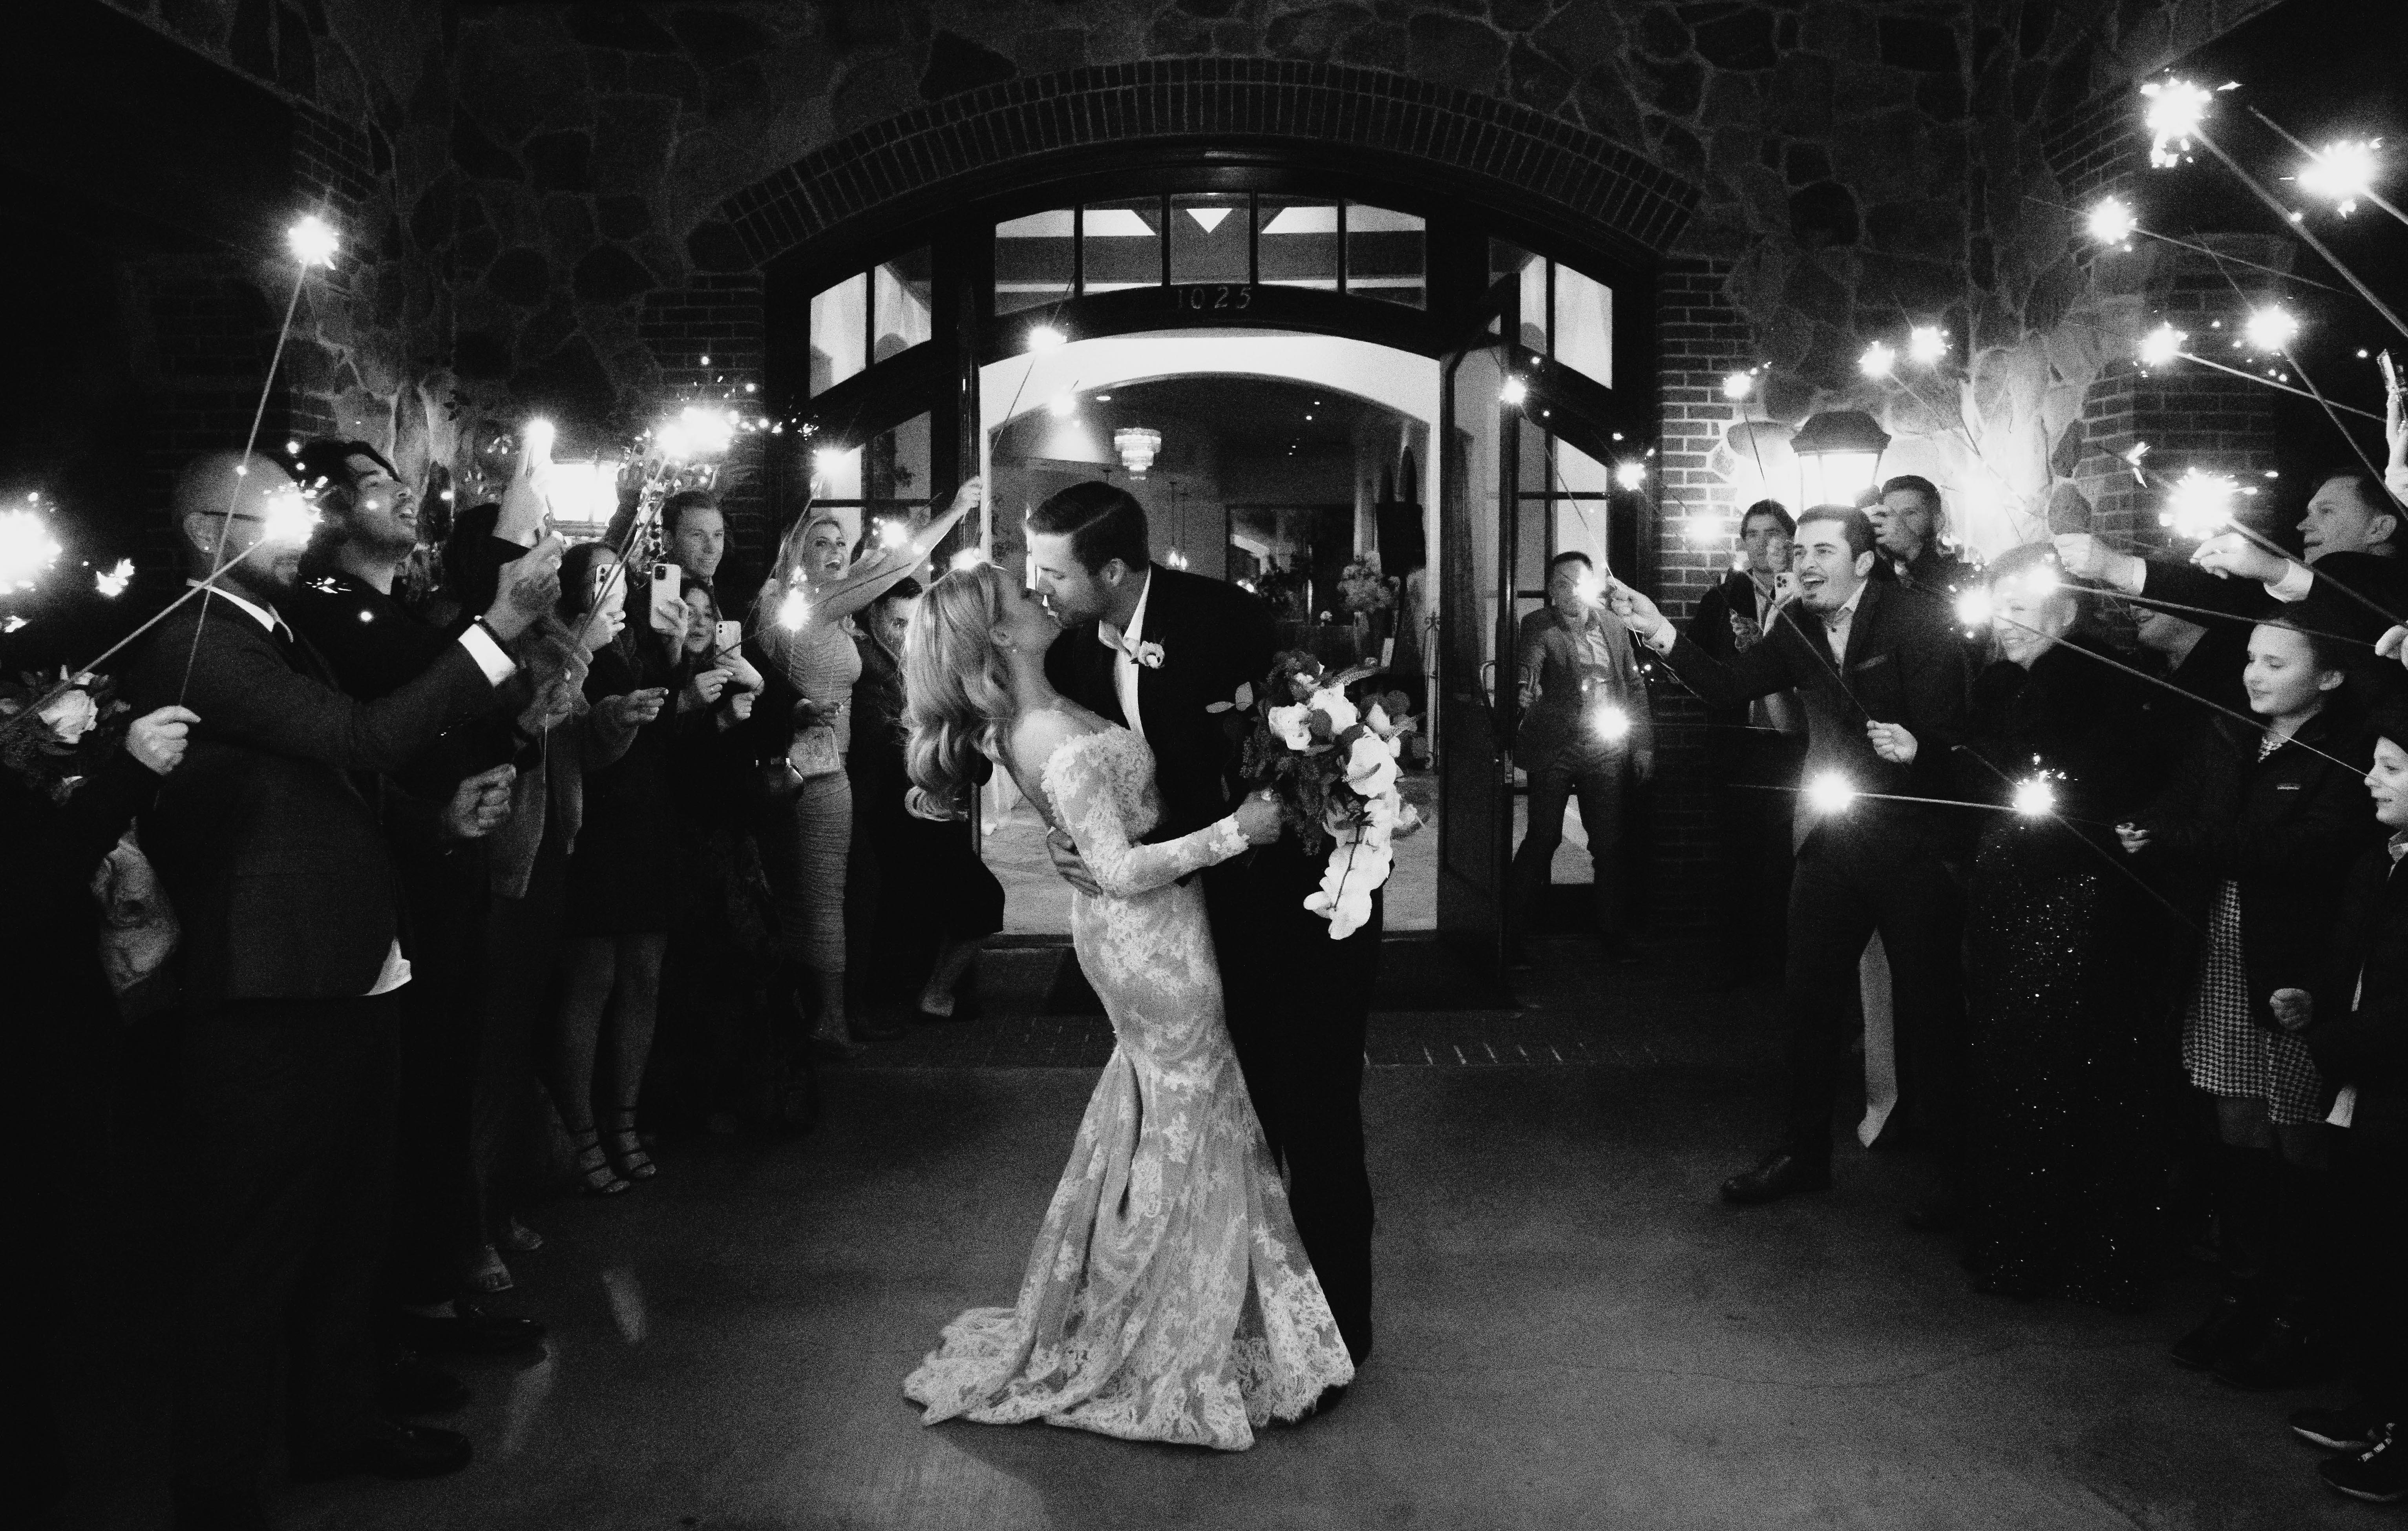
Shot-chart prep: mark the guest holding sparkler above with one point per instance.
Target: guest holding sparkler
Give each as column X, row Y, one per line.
column 1585, row 725
column 1883, row 685
column 2059, row 1072
column 2260, row 824
column 270, row 850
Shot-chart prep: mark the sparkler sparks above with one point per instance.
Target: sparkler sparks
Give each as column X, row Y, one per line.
column 312, row 241
column 1878, row 360
column 2342, row 172
column 1612, row 724
column 2132, row 460
column 290, row 518
column 1514, row 390
column 1925, row 344
column 112, row 582
column 2113, row 223
column 793, row 611
column 1045, row 338
column 968, row 558
column 2162, row 345
column 695, row 432
column 2176, row 108
column 2270, row 328
column 2035, row 797
column 536, row 439
column 1738, row 385
column 1830, row 793
column 1630, row 474
column 26, row 547
column 1973, row 607
column 2200, row 505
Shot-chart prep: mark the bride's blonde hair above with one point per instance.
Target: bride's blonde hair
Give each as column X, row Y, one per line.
column 956, row 686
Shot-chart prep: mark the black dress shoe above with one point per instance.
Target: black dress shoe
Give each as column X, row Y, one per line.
column 2353, row 1427
column 221, row 1512
column 410, row 1386
column 473, row 1331
column 2284, row 1355
column 1782, row 1175
column 1327, row 1404
column 2233, row 1323
column 389, row 1450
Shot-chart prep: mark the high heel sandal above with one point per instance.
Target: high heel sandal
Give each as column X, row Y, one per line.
column 627, row 1150
column 595, row 1166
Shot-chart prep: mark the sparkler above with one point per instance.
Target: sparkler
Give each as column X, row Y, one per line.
column 112, row 582
column 2343, row 172
column 1630, row 474
column 1973, row 607
column 1064, row 407
column 2199, row 505
column 1045, row 338
column 2035, row 797
column 1514, row 390
column 793, row 611
column 1830, row 793
column 1738, row 385
column 968, row 558
column 2162, row 346
column 1925, row 345
column 2270, row 329
column 26, row 547
column 2113, row 221
column 2176, row 108
column 1878, row 360
column 1612, row 724
column 312, row 242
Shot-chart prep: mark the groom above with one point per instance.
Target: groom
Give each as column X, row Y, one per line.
column 1157, row 650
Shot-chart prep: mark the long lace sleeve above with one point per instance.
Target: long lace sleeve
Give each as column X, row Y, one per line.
column 1091, row 784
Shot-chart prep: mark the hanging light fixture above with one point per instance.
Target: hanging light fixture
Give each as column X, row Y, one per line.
column 1137, row 445
column 1839, row 455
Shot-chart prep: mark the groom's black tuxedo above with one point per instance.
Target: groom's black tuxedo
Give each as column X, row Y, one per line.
column 1298, row 1002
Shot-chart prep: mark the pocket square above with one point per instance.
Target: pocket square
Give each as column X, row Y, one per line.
column 1869, row 664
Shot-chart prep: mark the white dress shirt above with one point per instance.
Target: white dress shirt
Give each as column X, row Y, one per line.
column 1836, row 624
column 498, row 667
column 1125, row 646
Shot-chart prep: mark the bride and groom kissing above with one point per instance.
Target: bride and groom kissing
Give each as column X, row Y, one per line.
column 1177, row 1291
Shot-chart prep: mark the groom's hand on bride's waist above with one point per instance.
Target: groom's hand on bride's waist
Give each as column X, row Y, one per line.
column 1064, row 852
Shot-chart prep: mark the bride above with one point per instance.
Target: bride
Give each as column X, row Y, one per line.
column 1166, row 1297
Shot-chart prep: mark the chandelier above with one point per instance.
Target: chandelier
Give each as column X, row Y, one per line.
column 1137, row 445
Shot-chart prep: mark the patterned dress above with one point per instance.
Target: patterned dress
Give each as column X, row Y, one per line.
column 1168, row 1297
column 2225, row 1050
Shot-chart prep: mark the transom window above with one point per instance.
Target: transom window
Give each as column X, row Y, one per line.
column 1566, row 315
column 870, row 316
column 1181, row 239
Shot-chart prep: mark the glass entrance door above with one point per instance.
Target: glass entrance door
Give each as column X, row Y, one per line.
column 1477, row 534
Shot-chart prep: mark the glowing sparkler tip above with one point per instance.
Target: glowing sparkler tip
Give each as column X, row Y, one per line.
column 1878, row 360
column 2162, row 345
column 2035, row 797
column 111, row 582
column 1925, row 344
column 793, row 611
column 1830, row 793
column 312, row 241
column 2113, row 221
column 892, row 533
column 537, row 438
column 2200, row 505
column 2176, row 108
column 1045, row 338
column 26, row 549
column 1630, row 474
column 1612, row 724
column 968, row 558
column 2271, row 328
column 1973, row 607
column 1514, row 390
column 290, row 520
column 1738, row 385
column 1063, row 406
column 2342, row 172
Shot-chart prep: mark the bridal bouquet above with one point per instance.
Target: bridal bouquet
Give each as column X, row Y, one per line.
column 1333, row 765
column 72, row 733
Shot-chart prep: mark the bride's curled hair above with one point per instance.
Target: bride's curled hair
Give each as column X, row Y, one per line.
column 956, row 687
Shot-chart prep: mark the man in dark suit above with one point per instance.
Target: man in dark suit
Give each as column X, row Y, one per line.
column 1907, row 520
column 1885, row 687
column 271, row 850
column 1166, row 653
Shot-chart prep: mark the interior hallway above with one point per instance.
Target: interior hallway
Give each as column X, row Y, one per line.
column 1572, row 1331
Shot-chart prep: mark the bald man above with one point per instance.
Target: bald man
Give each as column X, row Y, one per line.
column 269, row 846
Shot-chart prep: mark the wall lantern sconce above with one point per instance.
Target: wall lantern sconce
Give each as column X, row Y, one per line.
column 1839, row 456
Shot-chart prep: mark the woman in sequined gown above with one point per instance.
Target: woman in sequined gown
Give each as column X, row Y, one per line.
column 2062, row 1174
column 1168, row 1297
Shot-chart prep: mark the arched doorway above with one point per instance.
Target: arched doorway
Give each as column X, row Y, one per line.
column 1529, row 370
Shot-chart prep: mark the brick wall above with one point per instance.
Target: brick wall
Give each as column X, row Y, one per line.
column 707, row 340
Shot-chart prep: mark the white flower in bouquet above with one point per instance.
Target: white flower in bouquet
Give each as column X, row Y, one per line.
column 72, row 716
column 1331, row 703
column 1293, row 724
column 1357, row 867
column 1371, row 767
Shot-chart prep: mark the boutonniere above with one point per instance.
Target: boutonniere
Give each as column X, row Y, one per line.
column 1150, row 656
column 1244, row 699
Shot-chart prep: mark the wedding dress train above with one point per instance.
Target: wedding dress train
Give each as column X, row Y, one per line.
column 1168, row 1297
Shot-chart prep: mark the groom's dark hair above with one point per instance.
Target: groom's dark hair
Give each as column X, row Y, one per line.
column 1103, row 523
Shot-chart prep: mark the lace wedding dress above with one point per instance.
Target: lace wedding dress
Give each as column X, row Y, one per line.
column 1168, row 1297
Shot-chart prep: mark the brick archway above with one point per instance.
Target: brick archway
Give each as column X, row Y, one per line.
column 1553, row 171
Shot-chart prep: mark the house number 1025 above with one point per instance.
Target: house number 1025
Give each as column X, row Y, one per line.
column 1219, row 295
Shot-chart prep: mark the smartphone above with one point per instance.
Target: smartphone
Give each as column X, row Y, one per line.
column 730, row 637
column 669, row 609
